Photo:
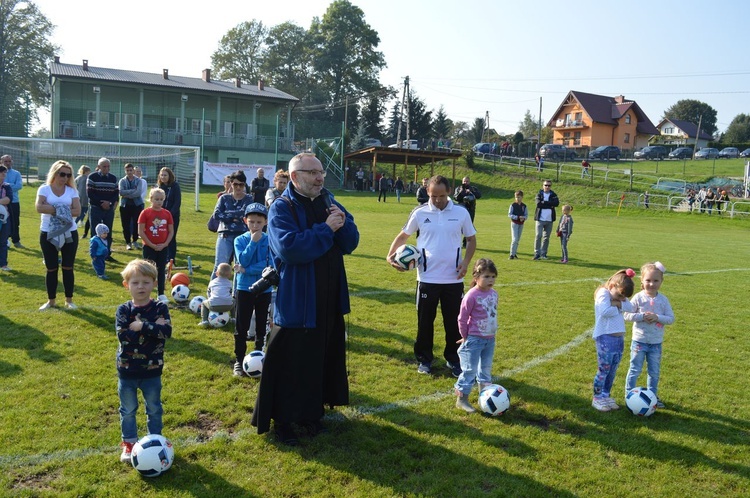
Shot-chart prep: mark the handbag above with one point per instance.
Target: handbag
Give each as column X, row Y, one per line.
column 559, row 233
column 213, row 224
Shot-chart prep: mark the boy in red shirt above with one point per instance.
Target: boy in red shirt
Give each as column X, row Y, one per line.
column 156, row 229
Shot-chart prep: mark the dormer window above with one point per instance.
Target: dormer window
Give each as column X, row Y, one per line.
column 627, row 119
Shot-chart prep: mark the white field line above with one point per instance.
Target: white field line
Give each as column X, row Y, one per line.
column 343, row 413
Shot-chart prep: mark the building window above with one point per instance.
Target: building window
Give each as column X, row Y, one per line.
column 176, row 124
column 233, row 160
column 669, row 130
column 197, row 127
column 627, row 138
column 577, row 139
column 579, row 116
column 128, row 121
column 627, row 118
column 228, row 129
column 92, row 122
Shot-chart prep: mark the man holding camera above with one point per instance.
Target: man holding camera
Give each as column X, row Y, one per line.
column 467, row 196
column 251, row 257
column 309, row 234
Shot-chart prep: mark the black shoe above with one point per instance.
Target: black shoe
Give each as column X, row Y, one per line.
column 314, row 427
column 286, row 435
column 455, row 369
column 110, row 259
column 536, row 257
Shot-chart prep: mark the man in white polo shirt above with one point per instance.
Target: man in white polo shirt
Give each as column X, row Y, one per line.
column 546, row 202
column 442, row 225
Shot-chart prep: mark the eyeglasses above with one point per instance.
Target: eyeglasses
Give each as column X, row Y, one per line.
column 314, row 172
column 238, row 184
column 547, row 185
column 63, row 174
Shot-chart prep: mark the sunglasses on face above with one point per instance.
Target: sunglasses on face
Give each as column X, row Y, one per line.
column 63, row 174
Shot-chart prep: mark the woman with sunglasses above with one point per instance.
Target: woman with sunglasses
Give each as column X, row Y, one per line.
column 59, row 203
column 230, row 211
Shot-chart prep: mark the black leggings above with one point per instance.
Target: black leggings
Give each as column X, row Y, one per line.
column 160, row 260
column 54, row 258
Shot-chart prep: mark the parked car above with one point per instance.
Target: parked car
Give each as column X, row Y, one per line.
column 372, row 142
column 682, row 153
column 729, row 153
column 406, row 144
column 482, row 148
column 556, row 151
column 606, row 152
column 707, row 153
column 745, row 153
column 652, row 152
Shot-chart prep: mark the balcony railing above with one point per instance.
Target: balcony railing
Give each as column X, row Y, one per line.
column 81, row 131
column 561, row 123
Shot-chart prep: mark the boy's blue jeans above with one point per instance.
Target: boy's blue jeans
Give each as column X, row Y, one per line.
column 652, row 354
column 127, row 389
column 475, row 355
column 99, row 264
column 609, row 350
column 515, row 231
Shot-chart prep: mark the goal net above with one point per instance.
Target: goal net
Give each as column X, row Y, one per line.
column 32, row 157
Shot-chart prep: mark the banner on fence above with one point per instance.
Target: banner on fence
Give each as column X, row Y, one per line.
column 214, row 173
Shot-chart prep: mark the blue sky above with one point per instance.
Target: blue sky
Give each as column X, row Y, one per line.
column 471, row 56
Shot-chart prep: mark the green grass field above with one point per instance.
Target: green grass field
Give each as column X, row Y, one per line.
column 401, row 435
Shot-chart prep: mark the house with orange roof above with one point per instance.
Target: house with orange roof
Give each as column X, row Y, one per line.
column 589, row 120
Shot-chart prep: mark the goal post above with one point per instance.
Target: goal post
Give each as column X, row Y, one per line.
column 32, row 157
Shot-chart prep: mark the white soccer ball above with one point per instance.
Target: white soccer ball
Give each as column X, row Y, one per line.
column 218, row 320
column 494, row 400
column 253, row 363
column 196, row 303
column 180, row 293
column 641, row 401
column 407, row 257
column 152, row 455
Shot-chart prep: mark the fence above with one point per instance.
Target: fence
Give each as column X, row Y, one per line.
column 32, row 157
column 676, row 202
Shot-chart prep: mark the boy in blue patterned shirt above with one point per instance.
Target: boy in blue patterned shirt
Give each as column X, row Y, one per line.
column 142, row 325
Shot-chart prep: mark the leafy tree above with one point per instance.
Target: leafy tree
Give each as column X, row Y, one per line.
column 477, row 131
column 442, row 126
column 371, row 115
column 738, row 130
column 517, row 138
column 420, row 119
column 529, row 127
column 692, row 110
column 25, row 55
column 288, row 60
column 460, row 132
column 344, row 53
column 393, row 122
column 241, row 52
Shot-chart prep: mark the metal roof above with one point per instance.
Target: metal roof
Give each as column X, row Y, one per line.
column 165, row 80
column 400, row 156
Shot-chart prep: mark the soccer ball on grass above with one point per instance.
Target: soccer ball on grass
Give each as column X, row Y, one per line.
column 253, row 363
column 218, row 320
column 152, row 455
column 196, row 303
column 641, row 401
column 494, row 400
column 180, row 293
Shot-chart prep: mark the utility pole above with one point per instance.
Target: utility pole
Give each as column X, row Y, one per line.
column 404, row 111
column 697, row 134
column 539, row 140
column 486, row 125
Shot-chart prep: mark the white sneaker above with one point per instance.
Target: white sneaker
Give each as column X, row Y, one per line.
column 163, row 299
column 601, row 404
column 612, row 404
